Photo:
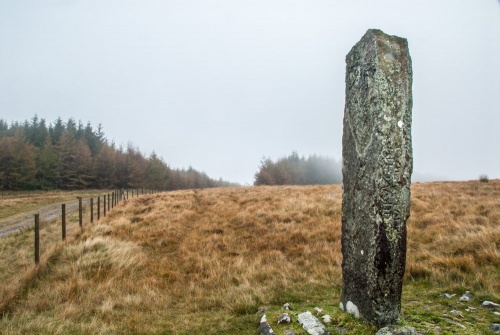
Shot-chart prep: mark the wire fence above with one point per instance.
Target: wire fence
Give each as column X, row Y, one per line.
column 86, row 210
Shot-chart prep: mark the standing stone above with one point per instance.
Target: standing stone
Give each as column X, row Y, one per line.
column 377, row 167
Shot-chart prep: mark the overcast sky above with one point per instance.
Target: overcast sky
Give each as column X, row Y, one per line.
column 218, row 84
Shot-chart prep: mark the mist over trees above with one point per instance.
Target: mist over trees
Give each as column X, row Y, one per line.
column 295, row 170
column 70, row 155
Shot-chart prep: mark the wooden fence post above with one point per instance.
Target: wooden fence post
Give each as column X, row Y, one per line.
column 98, row 208
column 63, row 216
column 127, row 193
column 37, row 238
column 80, row 212
column 109, row 205
column 104, row 205
column 112, row 199
column 91, row 210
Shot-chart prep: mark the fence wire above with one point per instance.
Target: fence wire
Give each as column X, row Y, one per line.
column 50, row 224
column 47, row 214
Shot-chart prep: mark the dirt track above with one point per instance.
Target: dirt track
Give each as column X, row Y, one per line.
column 23, row 221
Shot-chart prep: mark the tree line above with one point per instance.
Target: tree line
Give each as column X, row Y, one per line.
column 295, row 170
column 71, row 155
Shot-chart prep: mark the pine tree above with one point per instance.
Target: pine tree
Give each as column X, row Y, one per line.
column 265, row 175
column 105, row 167
column 67, row 162
column 92, row 139
column 156, row 173
column 136, row 167
column 46, row 160
column 57, row 130
column 121, row 170
column 17, row 163
column 293, row 170
column 36, row 131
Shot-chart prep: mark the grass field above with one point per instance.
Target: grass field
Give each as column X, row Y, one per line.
column 204, row 261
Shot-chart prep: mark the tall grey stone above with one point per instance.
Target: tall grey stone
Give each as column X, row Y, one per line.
column 377, row 167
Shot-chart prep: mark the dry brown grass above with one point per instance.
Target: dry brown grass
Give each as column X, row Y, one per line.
column 454, row 234
column 203, row 261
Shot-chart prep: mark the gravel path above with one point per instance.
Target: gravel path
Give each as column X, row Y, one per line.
column 23, row 221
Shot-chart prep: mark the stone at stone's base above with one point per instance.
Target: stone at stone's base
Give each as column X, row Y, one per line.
column 466, row 297
column 284, row 318
column 312, row 325
column 397, row 330
column 495, row 328
column 490, row 304
column 264, row 327
column 327, row 318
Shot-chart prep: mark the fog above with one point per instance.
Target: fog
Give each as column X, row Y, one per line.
column 219, row 84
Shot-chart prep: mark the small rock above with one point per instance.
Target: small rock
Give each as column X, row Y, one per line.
column 284, row 318
column 470, row 309
column 289, row 332
column 327, row 318
column 496, row 313
column 262, row 310
column 467, row 297
column 264, row 327
column 318, row 310
column 456, row 312
column 312, row 325
column 397, row 330
column 490, row 304
column 447, row 295
column 287, row 307
column 341, row 330
column 352, row 309
column 495, row 328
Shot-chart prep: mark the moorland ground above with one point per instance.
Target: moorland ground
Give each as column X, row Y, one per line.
column 204, row 261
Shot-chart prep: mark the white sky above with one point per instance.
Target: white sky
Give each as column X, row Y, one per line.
column 218, row 84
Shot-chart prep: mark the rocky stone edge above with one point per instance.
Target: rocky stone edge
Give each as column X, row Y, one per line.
column 314, row 326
